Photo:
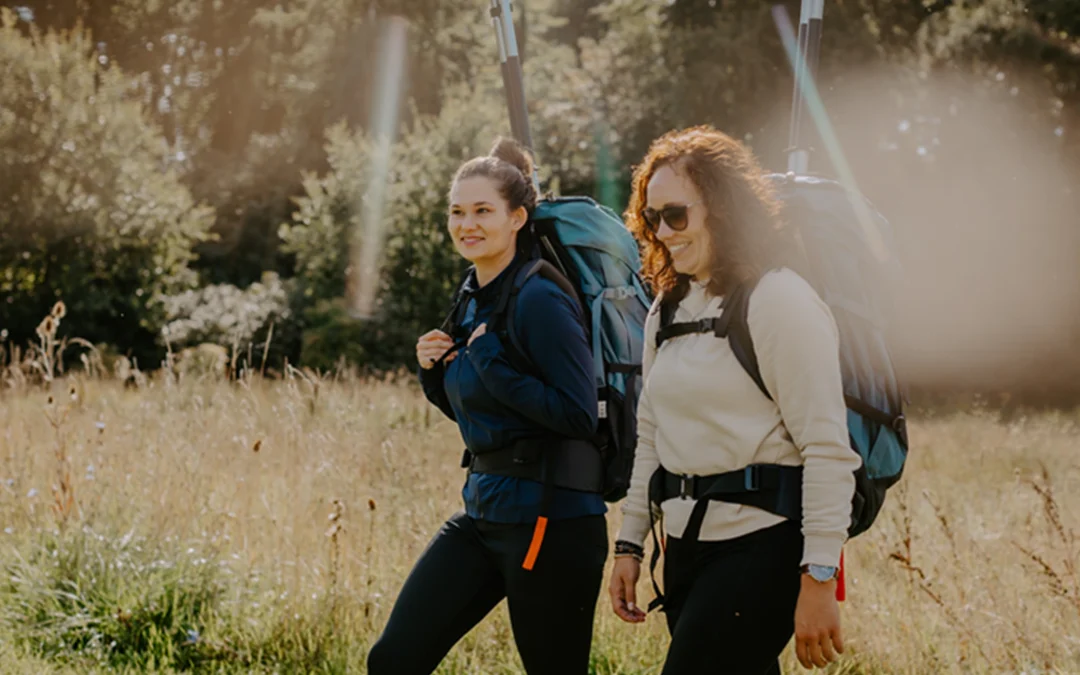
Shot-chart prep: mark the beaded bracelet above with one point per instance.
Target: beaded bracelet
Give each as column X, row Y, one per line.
column 629, row 548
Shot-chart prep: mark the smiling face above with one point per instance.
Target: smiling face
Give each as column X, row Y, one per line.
column 483, row 227
column 690, row 248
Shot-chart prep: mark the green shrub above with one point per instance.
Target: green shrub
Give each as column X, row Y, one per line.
column 419, row 267
column 90, row 210
column 332, row 338
column 239, row 320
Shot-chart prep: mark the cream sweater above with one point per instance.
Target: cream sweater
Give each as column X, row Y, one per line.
column 700, row 413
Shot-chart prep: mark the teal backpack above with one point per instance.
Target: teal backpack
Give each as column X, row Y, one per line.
column 837, row 259
column 588, row 244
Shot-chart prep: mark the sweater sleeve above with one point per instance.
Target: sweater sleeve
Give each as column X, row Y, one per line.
column 797, row 344
column 635, row 508
column 550, row 326
column 431, row 380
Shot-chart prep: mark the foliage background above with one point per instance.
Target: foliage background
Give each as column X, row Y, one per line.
column 159, row 159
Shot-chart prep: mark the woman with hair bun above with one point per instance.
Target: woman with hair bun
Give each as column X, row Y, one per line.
column 491, row 549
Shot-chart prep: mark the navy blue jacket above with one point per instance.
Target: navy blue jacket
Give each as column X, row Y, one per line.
column 495, row 404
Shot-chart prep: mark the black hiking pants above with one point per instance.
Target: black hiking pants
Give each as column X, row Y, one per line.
column 470, row 566
column 730, row 604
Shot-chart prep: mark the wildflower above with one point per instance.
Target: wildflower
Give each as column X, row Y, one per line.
column 47, row 328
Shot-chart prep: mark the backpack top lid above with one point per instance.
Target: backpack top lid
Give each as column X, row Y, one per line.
column 585, row 223
column 849, row 206
column 849, row 248
column 835, row 226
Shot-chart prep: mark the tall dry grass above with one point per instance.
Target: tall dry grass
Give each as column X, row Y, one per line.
column 259, row 526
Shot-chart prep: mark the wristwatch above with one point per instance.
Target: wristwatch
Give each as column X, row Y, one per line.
column 821, row 573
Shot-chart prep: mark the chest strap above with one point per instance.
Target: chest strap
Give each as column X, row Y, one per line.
column 715, row 325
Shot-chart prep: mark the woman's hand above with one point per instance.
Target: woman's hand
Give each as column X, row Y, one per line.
column 480, row 330
column 623, row 589
column 818, row 638
column 431, row 346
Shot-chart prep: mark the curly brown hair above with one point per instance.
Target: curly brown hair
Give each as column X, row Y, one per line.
column 743, row 219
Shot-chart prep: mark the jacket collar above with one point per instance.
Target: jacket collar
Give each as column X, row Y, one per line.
column 472, row 288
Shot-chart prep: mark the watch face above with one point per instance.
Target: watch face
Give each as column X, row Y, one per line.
column 822, row 572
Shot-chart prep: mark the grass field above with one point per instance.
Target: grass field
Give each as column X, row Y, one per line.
column 266, row 526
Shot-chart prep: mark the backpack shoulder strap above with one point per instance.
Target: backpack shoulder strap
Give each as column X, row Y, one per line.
column 452, row 322
column 667, row 314
column 453, row 317
column 507, row 306
column 735, row 323
column 732, row 323
column 553, row 274
column 668, row 329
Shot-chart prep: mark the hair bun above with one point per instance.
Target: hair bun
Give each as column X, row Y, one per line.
column 509, row 150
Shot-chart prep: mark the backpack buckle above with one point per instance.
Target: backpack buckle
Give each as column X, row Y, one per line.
column 686, row 486
column 752, row 478
column 619, row 293
column 709, row 325
column 899, row 425
column 716, row 325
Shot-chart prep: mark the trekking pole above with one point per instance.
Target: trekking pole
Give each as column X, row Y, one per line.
column 808, row 93
column 512, row 75
column 809, row 47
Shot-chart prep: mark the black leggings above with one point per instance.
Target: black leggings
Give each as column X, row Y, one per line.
column 730, row 604
column 470, row 566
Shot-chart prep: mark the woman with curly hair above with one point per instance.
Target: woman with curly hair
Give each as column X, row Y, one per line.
column 739, row 580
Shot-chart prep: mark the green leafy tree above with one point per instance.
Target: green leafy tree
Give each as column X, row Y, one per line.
column 419, row 268
column 91, row 211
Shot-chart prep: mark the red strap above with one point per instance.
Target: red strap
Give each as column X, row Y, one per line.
column 841, row 588
column 534, row 547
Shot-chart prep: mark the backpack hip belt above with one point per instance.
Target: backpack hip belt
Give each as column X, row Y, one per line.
column 776, row 488
column 568, row 463
column 575, row 464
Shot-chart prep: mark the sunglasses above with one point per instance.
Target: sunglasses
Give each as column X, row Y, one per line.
column 674, row 216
